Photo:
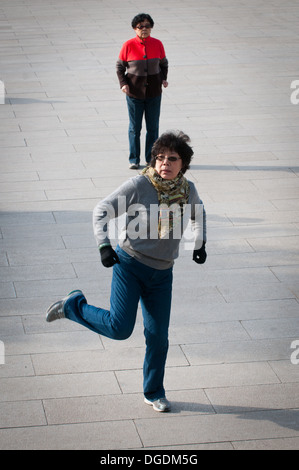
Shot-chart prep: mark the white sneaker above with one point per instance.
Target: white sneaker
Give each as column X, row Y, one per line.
column 134, row 166
column 162, row 404
column 56, row 310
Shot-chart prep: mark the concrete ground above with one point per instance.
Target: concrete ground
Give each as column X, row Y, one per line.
column 232, row 372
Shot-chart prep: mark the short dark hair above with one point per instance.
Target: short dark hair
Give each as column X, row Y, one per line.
column 142, row 17
column 177, row 142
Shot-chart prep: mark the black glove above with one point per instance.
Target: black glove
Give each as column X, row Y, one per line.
column 108, row 256
column 200, row 256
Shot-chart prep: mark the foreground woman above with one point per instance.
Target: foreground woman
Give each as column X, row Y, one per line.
column 143, row 260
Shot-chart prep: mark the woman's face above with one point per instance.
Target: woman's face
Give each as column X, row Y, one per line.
column 143, row 29
column 168, row 164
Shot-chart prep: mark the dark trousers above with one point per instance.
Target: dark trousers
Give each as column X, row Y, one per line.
column 150, row 108
column 133, row 282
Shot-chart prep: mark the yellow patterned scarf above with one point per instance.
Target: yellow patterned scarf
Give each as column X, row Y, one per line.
column 170, row 192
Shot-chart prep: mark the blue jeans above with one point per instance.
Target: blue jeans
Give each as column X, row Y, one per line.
column 133, row 281
column 150, row 108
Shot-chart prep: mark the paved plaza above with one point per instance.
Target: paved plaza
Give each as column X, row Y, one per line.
column 233, row 367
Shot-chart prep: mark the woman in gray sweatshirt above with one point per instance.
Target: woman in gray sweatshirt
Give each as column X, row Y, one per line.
column 156, row 208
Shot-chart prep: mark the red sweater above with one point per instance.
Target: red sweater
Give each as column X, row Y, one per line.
column 142, row 65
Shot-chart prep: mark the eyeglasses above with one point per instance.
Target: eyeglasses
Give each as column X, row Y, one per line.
column 144, row 26
column 161, row 158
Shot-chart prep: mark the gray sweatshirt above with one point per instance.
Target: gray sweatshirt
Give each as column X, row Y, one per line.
column 136, row 206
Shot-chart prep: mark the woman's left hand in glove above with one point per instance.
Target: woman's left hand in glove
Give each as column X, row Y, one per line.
column 200, row 256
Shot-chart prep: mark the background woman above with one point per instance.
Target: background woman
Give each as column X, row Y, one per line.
column 142, row 69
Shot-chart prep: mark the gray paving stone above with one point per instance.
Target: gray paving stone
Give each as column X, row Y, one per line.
column 10, row 326
column 213, row 312
column 256, row 292
column 22, row 414
column 26, row 306
column 223, row 375
column 286, row 370
column 56, row 386
column 268, row 444
column 275, row 328
column 242, row 399
column 7, row 290
column 207, row 333
column 111, row 408
column 46, row 242
column 99, row 360
column 16, row 366
column 51, row 342
column 37, row 272
column 219, row 428
column 217, row 352
column 85, row 436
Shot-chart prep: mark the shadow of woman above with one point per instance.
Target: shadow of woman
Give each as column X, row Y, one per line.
column 285, row 418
